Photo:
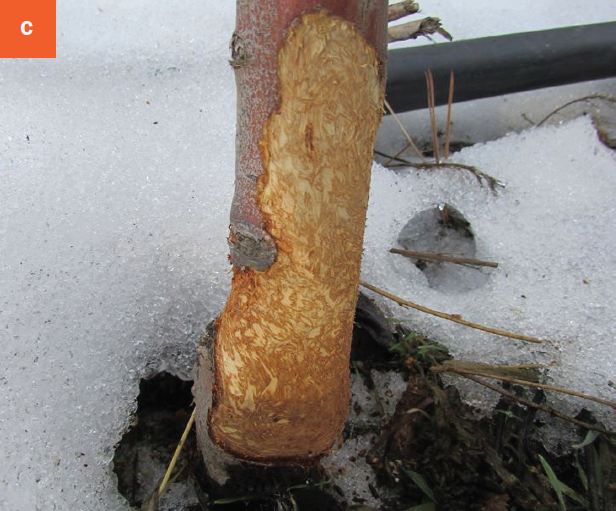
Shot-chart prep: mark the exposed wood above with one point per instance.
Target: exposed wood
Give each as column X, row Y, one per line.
column 259, row 34
column 277, row 371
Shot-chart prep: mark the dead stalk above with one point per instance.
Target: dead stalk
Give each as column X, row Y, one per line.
column 544, row 408
column 430, row 87
column 448, row 124
column 562, row 390
column 493, row 183
column 395, row 156
column 408, row 137
column 176, row 454
column 450, row 317
column 433, row 257
column 602, row 97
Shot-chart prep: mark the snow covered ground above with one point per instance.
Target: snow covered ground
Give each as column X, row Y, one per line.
column 116, row 176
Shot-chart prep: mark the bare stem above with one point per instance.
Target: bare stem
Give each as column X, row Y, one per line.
column 456, row 318
column 429, row 256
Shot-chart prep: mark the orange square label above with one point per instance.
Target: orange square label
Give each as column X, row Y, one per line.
column 28, row 29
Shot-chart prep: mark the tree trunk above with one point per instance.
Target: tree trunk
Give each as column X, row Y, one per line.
column 273, row 388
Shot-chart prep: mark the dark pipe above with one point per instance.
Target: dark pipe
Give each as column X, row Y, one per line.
column 493, row 66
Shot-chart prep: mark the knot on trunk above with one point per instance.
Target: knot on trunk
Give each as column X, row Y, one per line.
column 251, row 247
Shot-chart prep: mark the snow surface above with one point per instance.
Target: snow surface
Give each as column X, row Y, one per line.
column 116, row 177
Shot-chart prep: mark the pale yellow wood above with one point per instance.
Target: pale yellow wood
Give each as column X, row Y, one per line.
column 282, row 348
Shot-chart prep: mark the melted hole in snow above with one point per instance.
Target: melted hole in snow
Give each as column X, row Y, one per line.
column 164, row 406
column 442, row 229
column 142, row 456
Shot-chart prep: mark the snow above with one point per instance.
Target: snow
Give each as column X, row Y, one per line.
column 116, row 177
column 551, row 232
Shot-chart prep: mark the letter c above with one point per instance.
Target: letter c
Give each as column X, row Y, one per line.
column 23, row 28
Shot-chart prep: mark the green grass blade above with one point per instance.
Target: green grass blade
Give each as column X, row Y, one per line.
column 561, row 488
column 428, row 506
column 589, row 439
column 422, row 484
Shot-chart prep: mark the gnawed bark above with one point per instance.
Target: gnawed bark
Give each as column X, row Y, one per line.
column 308, row 112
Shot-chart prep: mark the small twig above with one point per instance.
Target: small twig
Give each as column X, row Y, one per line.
column 402, row 9
column 493, row 183
column 562, row 390
column 429, row 256
column 176, row 454
column 414, row 29
column 408, row 137
column 451, row 317
column 528, row 119
column 603, row 97
column 430, row 87
column 544, row 408
column 392, row 158
column 448, row 123
column 395, row 156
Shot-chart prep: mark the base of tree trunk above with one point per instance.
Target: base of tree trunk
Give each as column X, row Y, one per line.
column 225, row 471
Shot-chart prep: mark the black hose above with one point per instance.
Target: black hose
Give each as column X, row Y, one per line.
column 493, row 66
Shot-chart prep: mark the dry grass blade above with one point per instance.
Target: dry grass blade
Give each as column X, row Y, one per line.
column 601, row 97
column 486, row 373
column 402, row 9
column 395, row 157
column 553, row 412
column 176, row 454
column 433, row 257
column 450, row 317
column 408, row 137
column 448, row 123
column 430, row 88
column 493, row 183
